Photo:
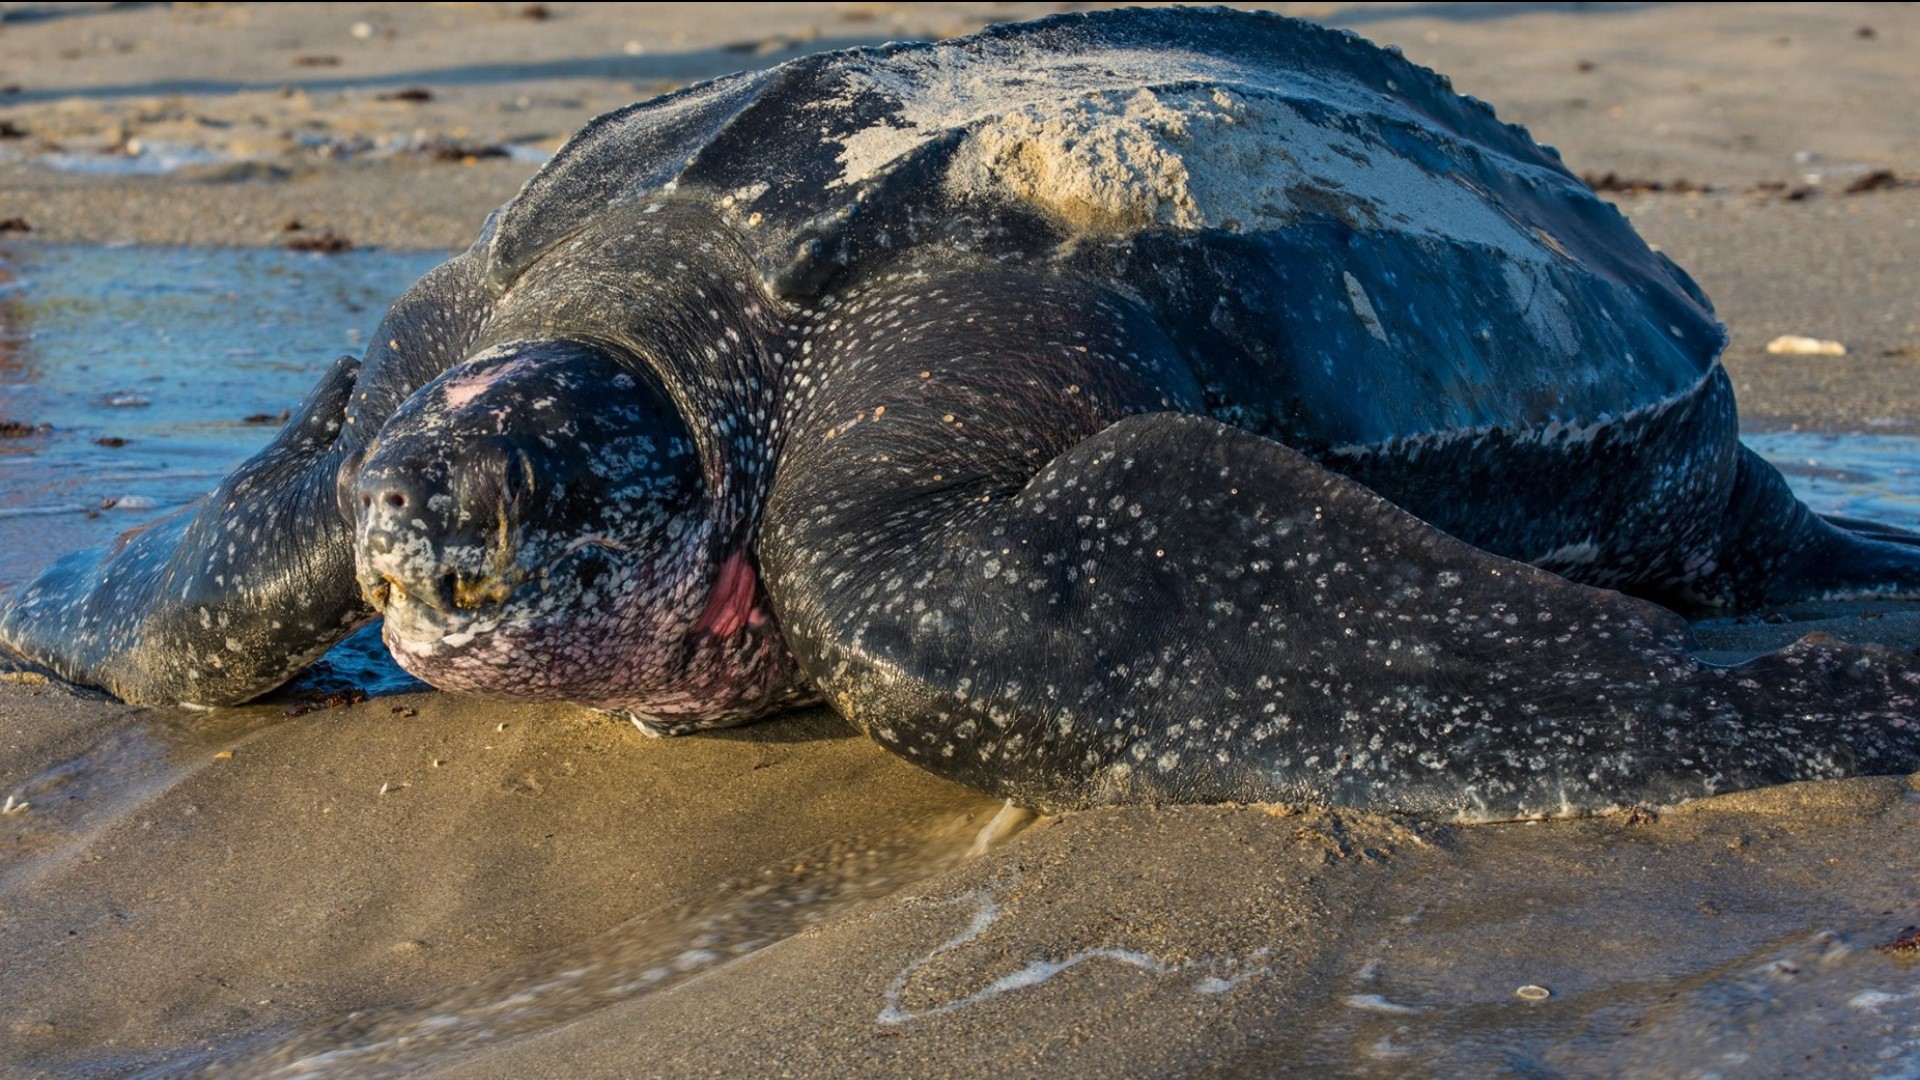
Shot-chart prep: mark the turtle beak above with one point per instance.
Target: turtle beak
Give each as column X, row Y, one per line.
column 385, row 591
column 446, row 593
column 446, row 535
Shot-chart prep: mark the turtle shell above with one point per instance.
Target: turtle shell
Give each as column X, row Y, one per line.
column 1347, row 251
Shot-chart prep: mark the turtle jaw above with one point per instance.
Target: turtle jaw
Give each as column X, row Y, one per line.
column 452, row 604
column 448, row 593
column 704, row 652
column 544, row 634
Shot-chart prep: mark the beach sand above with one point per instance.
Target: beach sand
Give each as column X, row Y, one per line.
column 432, row 883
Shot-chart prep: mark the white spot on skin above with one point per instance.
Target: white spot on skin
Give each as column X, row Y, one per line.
column 1363, row 308
column 1580, row 554
column 1543, row 307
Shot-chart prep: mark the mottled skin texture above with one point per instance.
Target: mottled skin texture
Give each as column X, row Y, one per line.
column 747, row 399
column 1170, row 609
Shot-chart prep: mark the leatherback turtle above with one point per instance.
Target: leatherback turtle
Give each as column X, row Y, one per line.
column 1131, row 406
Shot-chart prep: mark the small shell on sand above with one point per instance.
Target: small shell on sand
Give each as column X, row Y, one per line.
column 1796, row 345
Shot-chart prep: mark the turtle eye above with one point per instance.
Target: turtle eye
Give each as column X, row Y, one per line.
column 347, row 483
column 517, row 483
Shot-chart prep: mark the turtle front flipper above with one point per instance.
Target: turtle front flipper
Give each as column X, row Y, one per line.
column 224, row 600
column 1176, row 610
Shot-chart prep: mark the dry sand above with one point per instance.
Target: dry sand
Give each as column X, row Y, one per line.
column 510, row 890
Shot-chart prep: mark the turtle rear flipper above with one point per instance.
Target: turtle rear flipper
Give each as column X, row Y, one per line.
column 1873, row 530
column 226, row 599
column 1177, row 610
column 1846, row 563
column 1770, row 549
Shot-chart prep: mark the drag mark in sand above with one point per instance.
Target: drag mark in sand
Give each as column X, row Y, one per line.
column 1039, row 971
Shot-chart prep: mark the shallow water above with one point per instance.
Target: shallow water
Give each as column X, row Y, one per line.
column 148, row 157
column 1874, row 477
column 170, row 350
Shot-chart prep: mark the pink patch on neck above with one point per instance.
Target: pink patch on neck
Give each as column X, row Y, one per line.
column 730, row 609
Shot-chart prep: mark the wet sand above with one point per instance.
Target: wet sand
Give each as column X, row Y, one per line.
column 495, row 889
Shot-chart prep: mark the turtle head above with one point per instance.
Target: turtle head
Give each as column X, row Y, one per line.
column 535, row 523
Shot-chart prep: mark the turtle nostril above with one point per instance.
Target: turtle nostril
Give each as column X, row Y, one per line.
column 366, row 500
column 396, row 499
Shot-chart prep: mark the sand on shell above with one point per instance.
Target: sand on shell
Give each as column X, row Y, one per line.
column 427, row 882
